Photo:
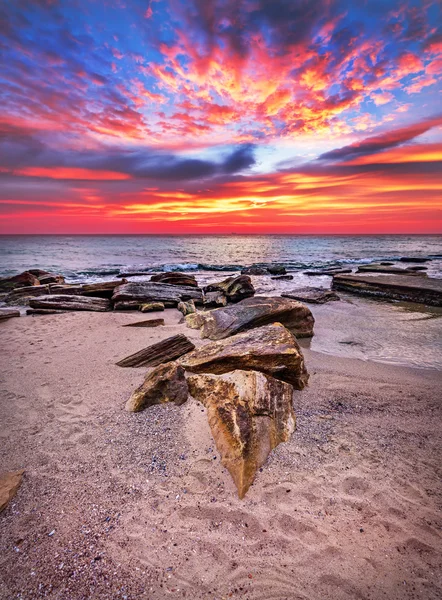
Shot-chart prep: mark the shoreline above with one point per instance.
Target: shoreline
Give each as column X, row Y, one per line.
column 141, row 508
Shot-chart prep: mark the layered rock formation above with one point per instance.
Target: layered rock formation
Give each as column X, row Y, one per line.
column 234, row 289
column 166, row 383
column 67, row 302
column 253, row 312
column 175, row 279
column 148, row 291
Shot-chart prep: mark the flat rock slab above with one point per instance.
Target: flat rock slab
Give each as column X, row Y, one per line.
column 253, row 312
column 387, row 269
column 66, row 302
column 249, row 414
column 8, row 313
column 329, row 272
column 44, row 311
column 271, row 349
column 424, row 290
column 149, row 291
column 157, row 354
column 312, row 294
column 9, row 484
column 147, row 323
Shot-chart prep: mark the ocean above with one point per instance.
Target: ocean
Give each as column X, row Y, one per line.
column 396, row 333
column 88, row 258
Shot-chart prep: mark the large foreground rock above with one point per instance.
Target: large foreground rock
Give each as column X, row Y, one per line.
column 166, row 383
column 9, row 484
column 249, row 414
column 234, row 289
column 144, row 292
column 66, row 302
column 253, row 312
column 271, row 349
column 159, row 353
column 311, row 294
column 424, row 290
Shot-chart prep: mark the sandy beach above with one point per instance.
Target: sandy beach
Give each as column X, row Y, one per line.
column 131, row 506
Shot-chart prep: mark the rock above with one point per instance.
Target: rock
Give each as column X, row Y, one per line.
column 148, row 323
column 166, row 383
column 424, row 290
column 67, row 289
column 135, row 274
column 46, row 277
column 21, row 296
column 25, row 279
column 44, row 311
column 418, row 268
column 214, row 299
column 281, row 277
column 254, row 270
column 159, row 353
column 271, row 349
column 176, row 279
column 127, row 305
column 311, row 294
column 234, row 289
column 64, row 302
column 8, row 313
column 385, row 269
column 249, row 414
column 152, row 307
column 253, row 312
column 385, row 263
column 148, row 291
column 187, row 308
column 9, row 484
column 414, row 259
column 104, row 289
column 277, row 270
column 329, row 272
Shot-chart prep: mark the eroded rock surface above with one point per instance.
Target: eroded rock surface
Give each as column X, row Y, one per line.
column 253, row 312
column 311, row 294
column 186, row 308
column 175, row 279
column 9, row 484
column 271, row 349
column 249, row 414
column 148, row 291
column 234, row 289
column 24, row 279
column 66, row 302
column 165, row 383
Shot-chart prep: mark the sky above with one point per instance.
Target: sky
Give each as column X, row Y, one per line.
column 221, row 116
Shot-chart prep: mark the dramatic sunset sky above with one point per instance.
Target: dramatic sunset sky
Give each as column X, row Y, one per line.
column 219, row 116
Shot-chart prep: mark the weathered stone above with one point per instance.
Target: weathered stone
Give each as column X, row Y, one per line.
column 249, row 414
column 187, row 308
column 253, row 312
column 386, row 269
column 159, row 353
column 8, row 313
column 9, row 484
column 147, row 323
column 424, row 290
column 152, row 307
column 214, row 299
column 254, row 270
column 149, row 291
column 271, row 349
column 24, row 279
column 66, row 289
column 176, row 279
column 21, row 296
column 276, row 270
column 104, row 289
column 65, row 302
column 234, row 289
column 127, row 305
column 386, row 263
column 281, row 277
column 418, row 268
column 51, row 278
column 44, row 311
column 329, row 272
column 311, row 294
column 414, row 259
column 166, row 383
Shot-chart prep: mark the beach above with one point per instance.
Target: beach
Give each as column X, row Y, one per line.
column 121, row 505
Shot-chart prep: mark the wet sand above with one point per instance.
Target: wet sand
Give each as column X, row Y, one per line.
column 137, row 506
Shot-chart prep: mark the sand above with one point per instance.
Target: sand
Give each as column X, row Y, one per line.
column 138, row 506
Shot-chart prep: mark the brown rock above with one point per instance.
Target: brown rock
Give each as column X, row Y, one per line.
column 187, row 308
column 9, row 484
column 311, row 294
column 104, row 289
column 8, row 313
column 148, row 323
column 127, row 305
column 214, row 299
column 249, row 414
column 44, row 311
column 277, row 270
column 253, row 312
column 175, row 279
column 271, row 349
column 166, row 383
column 25, row 279
column 157, row 354
column 148, row 291
column 234, row 289
column 152, row 307
column 65, row 302
column 254, row 270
